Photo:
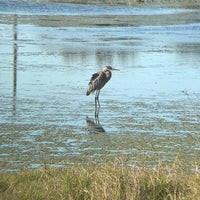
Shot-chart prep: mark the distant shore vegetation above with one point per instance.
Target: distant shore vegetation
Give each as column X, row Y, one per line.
column 172, row 3
column 116, row 1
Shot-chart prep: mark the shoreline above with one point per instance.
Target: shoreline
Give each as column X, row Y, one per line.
column 107, row 20
column 102, row 20
column 137, row 3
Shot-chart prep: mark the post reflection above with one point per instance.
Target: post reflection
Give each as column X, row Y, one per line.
column 14, row 63
column 94, row 125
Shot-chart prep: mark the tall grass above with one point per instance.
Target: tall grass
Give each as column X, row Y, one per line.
column 108, row 181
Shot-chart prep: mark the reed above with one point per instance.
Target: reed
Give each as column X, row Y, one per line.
column 106, row 181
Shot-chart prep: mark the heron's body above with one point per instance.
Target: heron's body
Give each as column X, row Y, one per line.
column 97, row 82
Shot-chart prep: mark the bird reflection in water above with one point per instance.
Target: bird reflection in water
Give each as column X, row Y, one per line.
column 94, row 126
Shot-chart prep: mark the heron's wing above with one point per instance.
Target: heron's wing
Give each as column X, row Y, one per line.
column 97, row 81
column 94, row 76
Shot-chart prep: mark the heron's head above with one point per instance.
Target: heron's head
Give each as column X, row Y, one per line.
column 109, row 68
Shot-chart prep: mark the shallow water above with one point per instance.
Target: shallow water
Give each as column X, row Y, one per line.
column 149, row 109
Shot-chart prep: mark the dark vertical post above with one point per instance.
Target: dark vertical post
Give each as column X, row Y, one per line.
column 14, row 63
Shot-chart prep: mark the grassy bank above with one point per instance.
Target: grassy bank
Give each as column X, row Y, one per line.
column 109, row 181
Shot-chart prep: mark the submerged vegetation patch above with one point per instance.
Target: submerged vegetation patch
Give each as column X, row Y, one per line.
column 113, row 180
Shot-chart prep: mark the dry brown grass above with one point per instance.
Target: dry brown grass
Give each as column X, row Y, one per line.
column 107, row 181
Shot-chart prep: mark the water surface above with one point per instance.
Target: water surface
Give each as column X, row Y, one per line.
column 149, row 109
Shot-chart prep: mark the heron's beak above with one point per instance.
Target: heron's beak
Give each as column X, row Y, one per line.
column 114, row 69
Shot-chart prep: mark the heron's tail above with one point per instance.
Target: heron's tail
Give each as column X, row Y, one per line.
column 89, row 90
column 88, row 93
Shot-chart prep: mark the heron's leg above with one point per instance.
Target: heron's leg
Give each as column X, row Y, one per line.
column 98, row 99
column 98, row 104
column 97, row 119
column 96, row 110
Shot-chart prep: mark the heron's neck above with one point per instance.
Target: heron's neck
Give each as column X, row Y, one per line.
column 108, row 74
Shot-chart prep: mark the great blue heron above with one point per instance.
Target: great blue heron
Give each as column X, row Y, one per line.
column 97, row 81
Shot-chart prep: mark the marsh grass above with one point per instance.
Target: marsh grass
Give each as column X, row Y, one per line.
column 106, row 181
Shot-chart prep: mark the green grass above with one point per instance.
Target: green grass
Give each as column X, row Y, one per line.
column 106, row 181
